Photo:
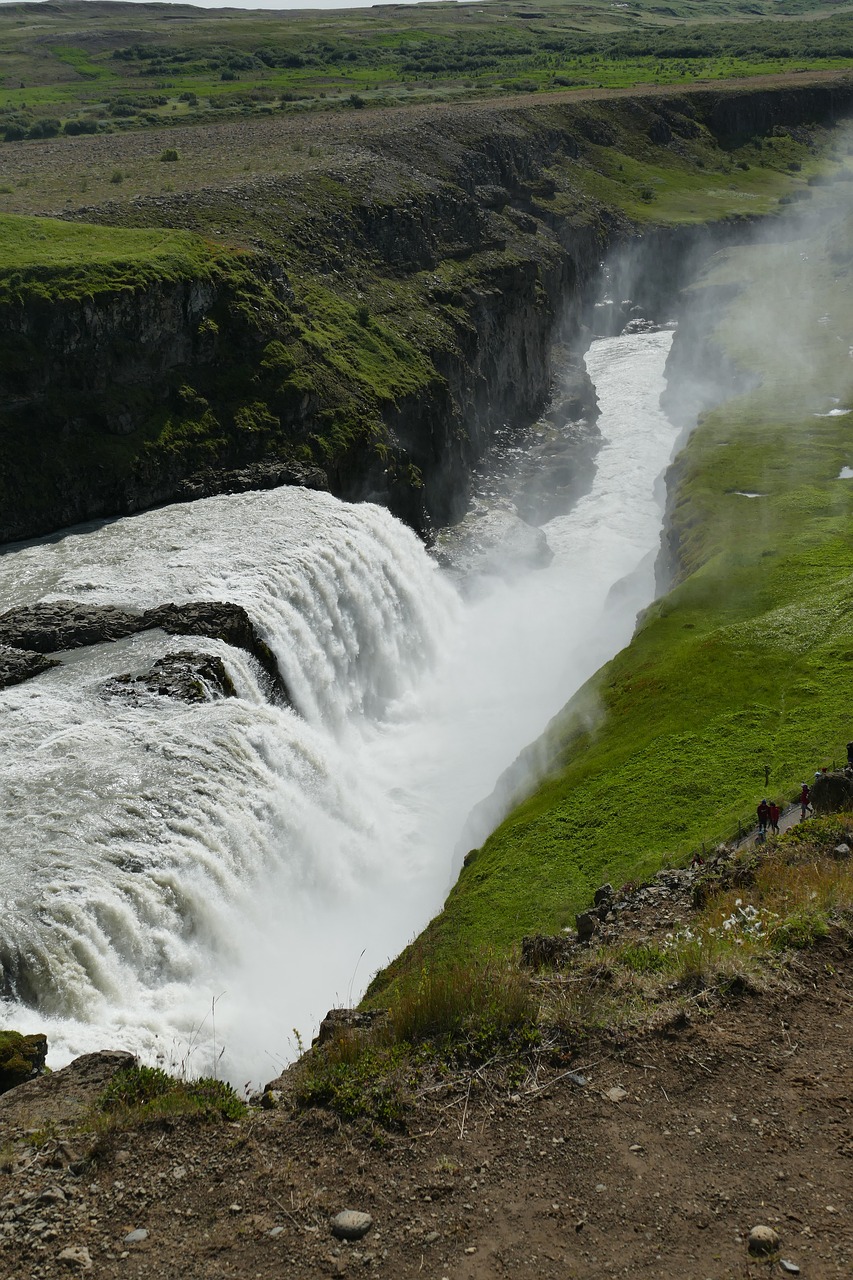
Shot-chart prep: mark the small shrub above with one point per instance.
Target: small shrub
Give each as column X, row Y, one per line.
column 356, row 100
column 801, row 929
column 74, row 127
column 44, row 129
column 469, row 1009
column 139, row 1094
column 362, row 316
column 356, row 1081
column 169, row 156
column 116, row 177
column 134, row 1087
column 644, row 958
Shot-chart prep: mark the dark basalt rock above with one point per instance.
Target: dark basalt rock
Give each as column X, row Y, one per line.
column 258, row 475
column 64, row 624
column 186, row 677
column 17, row 665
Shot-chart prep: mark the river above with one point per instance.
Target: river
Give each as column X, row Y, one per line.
column 202, row 882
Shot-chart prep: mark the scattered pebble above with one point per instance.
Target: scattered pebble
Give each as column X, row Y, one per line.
column 791, row 1267
column 136, row 1237
column 763, row 1240
column 617, row 1094
column 350, row 1224
column 77, row 1255
column 275, row 1233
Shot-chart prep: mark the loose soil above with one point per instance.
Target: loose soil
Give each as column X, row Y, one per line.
column 736, row 1115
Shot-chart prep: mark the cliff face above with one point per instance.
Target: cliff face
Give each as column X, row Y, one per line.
column 386, row 317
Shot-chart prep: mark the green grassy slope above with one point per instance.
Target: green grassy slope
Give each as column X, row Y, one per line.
column 745, row 663
column 44, row 257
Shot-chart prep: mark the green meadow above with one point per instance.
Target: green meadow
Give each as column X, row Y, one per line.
column 91, row 67
column 51, row 259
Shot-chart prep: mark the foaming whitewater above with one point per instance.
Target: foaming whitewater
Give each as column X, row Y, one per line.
column 235, row 867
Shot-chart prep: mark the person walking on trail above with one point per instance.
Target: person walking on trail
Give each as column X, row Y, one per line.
column 774, row 817
column 805, row 796
column 763, row 817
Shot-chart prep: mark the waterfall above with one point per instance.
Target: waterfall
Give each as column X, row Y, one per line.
column 168, row 864
column 139, row 835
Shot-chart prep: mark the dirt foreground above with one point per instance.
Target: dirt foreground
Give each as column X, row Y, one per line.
column 654, row 1158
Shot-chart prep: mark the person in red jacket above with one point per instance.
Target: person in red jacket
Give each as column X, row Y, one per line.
column 805, row 797
column 763, row 817
column 774, row 817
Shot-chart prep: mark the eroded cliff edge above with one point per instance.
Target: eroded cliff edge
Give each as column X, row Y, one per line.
column 370, row 323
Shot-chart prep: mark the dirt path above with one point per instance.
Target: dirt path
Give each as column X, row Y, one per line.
column 721, row 1123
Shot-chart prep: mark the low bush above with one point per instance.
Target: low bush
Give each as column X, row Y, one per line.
column 139, row 1094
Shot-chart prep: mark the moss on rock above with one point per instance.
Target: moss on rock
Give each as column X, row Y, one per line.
column 21, row 1058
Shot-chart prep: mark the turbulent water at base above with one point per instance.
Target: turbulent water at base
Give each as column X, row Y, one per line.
column 184, row 880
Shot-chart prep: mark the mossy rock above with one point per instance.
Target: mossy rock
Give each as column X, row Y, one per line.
column 21, row 1058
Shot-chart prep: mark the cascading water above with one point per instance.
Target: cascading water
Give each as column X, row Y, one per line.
column 158, row 855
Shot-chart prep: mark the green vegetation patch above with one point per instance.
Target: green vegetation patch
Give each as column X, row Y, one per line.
column 21, row 1056
column 58, row 261
column 138, row 1095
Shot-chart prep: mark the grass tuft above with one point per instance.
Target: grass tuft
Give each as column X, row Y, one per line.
column 143, row 1095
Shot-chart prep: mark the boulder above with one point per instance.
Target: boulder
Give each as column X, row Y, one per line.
column 185, row 676
column 763, row 1240
column 63, row 1096
column 587, row 924
column 545, row 951
column 832, row 792
column 497, row 542
column 341, row 1021
column 350, row 1224
column 50, row 627
column 17, row 665
column 21, row 1058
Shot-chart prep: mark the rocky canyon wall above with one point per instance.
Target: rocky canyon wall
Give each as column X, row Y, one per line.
column 386, row 315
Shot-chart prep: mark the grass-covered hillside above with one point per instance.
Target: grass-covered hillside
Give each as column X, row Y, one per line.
column 745, row 663
column 58, row 261
column 89, row 67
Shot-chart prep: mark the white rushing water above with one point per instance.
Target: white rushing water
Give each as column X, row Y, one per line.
column 161, row 857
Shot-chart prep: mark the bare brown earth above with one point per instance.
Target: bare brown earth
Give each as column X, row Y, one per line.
column 736, row 1115
column 53, row 175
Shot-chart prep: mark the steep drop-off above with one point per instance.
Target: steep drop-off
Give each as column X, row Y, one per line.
column 375, row 319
